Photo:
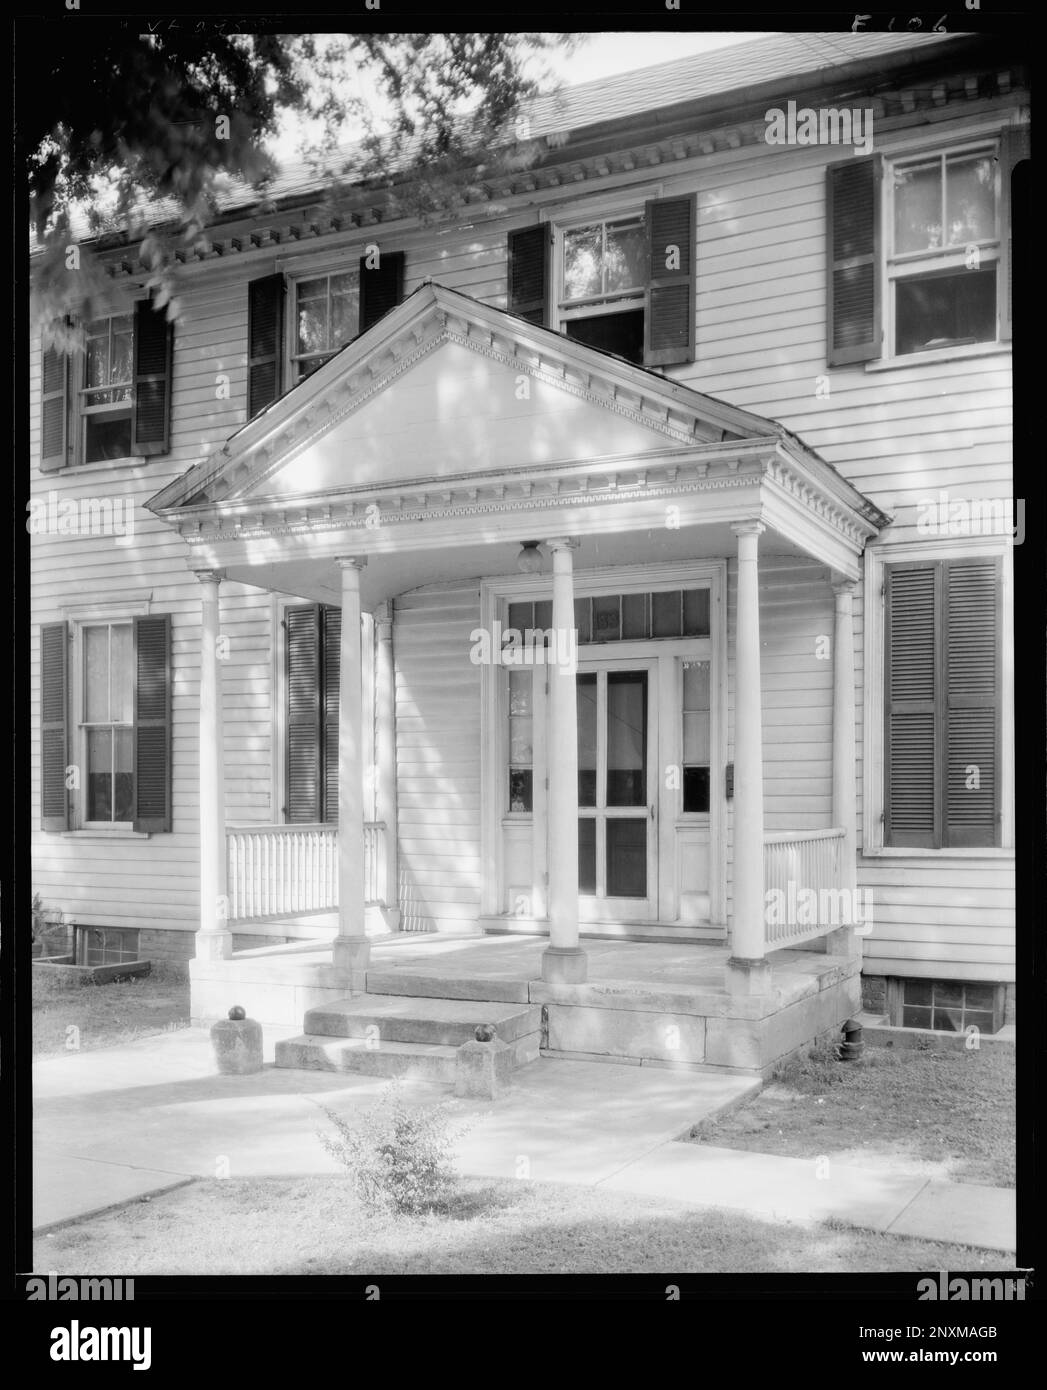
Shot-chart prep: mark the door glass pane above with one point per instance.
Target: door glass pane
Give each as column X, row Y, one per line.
column 586, row 856
column 586, row 687
column 96, row 667
column 627, row 738
column 627, row 858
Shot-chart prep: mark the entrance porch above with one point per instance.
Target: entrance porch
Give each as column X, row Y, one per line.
column 648, row 1003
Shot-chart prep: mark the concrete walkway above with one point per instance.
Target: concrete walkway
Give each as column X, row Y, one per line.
column 120, row 1123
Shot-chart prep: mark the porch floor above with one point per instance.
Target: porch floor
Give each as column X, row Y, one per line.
column 689, row 977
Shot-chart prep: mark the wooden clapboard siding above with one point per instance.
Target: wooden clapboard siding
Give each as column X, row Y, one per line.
column 438, row 757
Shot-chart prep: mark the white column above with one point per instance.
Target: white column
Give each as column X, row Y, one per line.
column 385, row 758
column 843, row 941
column 350, row 950
column 747, row 971
column 214, row 940
column 563, row 961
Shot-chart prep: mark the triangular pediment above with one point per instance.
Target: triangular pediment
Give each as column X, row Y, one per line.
column 444, row 388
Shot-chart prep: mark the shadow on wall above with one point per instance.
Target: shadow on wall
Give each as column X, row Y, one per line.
column 413, row 913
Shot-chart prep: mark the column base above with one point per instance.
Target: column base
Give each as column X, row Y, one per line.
column 352, row 955
column 747, row 977
column 214, row 945
column 564, row 965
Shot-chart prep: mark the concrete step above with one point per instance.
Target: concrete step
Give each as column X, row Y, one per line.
column 448, row 986
column 440, row 1022
column 420, row 1060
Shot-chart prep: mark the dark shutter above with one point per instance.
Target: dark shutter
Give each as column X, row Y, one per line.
column 669, row 327
column 381, row 287
column 911, row 681
column 972, row 694
column 265, row 341
column 152, row 723
column 153, row 352
column 331, row 632
column 1014, row 147
column 854, row 310
column 528, row 271
column 54, row 410
column 54, row 704
column 302, row 625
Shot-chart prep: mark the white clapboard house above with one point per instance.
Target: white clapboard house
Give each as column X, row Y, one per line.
column 595, row 600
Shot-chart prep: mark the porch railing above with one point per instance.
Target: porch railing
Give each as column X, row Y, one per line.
column 795, row 862
column 281, row 870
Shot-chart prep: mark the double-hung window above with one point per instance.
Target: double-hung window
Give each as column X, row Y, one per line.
column 604, row 284
column 105, row 397
column 327, row 315
column 107, row 727
column 944, row 249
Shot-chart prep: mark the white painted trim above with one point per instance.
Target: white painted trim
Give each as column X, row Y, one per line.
column 106, row 611
column 872, row 618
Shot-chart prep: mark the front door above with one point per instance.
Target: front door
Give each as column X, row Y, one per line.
column 617, row 791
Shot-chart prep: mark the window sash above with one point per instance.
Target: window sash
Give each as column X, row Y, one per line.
column 578, row 306
column 316, row 357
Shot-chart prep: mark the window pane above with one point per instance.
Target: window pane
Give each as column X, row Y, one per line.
column 917, row 992
column 696, row 685
column 586, row 855
column 120, row 362
column 918, row 208
column 915, row 1017
column 980, row 1019
column 620, row 333
column 586, row 689
column 970, row 199
column 582, row 619
column 124, row 778
column 520, row 745
column 634, row 616
column 96, row 675
column 626, row 257
column 543, row 614
column 312, row 324
column 521, row 617
column 979, row 997
column 941, row 310
column 120, row 678
column 665, row 614
column 948, row 1020
column 696, row 738
column 696, row 789
column 99, row 775
column 607, row 625
column 696, row 613
column 947, row 995
column 97, row 366
column 345, row 315
column 627, row 738
column 519, row 693
column 520, row 789
column 627, row 858
column 105, row 438
column 582, row 263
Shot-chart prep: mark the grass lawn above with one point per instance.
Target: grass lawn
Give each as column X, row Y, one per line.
column 314, row 1226
column 950, row 1114
column 104, row 1014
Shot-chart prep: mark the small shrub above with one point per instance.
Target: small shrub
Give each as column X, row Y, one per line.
column 398, row 1155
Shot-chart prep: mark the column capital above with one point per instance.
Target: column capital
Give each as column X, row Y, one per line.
column 844, row 588
column 212, row 576
column 351, row 562
column 383, row 614
column 562, row 543
column 748, row 528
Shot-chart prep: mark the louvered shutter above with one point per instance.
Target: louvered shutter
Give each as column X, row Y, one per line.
column 854, row 307
column 381, row 287
column 152, row 723
column 331, row 624
column 972, row 701
column 1014, row 147
column 54, row 410
column 528, row 273
column 302, row 626
column 265, row 341
column 54, row 705
column 153, row 354
column 669, row 327
column 910, row 799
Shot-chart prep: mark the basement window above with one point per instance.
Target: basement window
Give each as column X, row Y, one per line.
column 946, row 1006
column 106, row 945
